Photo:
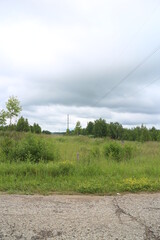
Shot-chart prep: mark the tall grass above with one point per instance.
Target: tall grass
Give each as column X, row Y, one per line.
column 81, row 165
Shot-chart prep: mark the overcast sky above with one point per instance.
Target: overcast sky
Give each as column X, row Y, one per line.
column 80, row 57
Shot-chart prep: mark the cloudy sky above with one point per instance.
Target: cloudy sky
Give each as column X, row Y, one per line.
column 85, row 58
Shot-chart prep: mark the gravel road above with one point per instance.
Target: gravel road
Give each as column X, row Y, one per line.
column 131, row 216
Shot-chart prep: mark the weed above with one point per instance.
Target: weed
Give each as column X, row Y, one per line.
column 40, row 164
column 118, row 151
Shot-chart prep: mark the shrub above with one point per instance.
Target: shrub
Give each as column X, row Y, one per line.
column 30, row 148
column 114, row 150
column 118, row 151
column 6, row 145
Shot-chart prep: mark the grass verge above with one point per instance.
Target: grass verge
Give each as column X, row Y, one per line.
column 104, row 178
column 77, row 165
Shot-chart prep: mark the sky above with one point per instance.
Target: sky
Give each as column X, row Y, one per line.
column 90, row 59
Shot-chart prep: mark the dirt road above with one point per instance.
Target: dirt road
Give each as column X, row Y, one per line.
column 131, row 216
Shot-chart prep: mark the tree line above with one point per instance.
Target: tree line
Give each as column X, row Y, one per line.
column 98, row 128
column 13, row 109
column 115, row 130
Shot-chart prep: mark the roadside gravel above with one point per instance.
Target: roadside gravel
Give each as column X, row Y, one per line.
column 131, row 216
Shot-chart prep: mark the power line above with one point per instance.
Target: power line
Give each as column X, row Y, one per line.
column 140, row 28
column 149, row 84
column 129, row 74
column 139, row 65
column 132, row 37
column 124, row 49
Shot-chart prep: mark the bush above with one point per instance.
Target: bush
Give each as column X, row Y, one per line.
column 30, row 148
column 118, row 151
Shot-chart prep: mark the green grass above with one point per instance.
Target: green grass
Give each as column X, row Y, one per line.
column 91, row 173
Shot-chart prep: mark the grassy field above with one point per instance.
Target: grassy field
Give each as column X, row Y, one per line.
column 77, row 165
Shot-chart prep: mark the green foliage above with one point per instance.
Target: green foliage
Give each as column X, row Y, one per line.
column 78, row 128
column 67, row 132
column 28, row 148
column 114, row 150
column 36, row 128
column 100, row 128
column 13, row 107
column 115, row 130
column 22, row 172
column 91, row 187
column 117, row 151
column 46, row 132
column 61, row 139
column 3, row 118
column 153, row 134
column 144, row 134
column 6, row 145
column 127, row 151
column 87, row 155
column 95, row 152
column 89, row 128
column 22, row 125
column 65, row 168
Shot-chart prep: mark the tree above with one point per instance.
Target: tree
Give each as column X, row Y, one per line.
column 153, row 133
column 144, row 134
column 115, row 130
column 22, row 125
column 36, row 128
column 89, row 128
column 46, row 132
column 67, row 131
column 83, row 131
column 3, row 117
column 78, row 128
column 100, row 128
column 13, row 108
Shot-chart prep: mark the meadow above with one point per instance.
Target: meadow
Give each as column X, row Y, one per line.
column 47, row 164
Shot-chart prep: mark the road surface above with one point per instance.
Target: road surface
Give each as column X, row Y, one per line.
column 130, row 216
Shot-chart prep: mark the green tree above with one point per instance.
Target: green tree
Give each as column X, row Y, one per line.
column 36, row 128
column 67, row 131
column 22, row 125
column 115, row 130
column 3, row 118
column 144, row 134
column 46, row 132
column 13, row 108
column 89, row 128
column 78, row 128
column 153, row 134
column 83, row 131
column 100, row 128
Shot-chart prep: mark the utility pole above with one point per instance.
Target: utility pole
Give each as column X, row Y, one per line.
column 67, row 123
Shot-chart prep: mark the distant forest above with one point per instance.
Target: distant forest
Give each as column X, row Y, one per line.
column 99, row 128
